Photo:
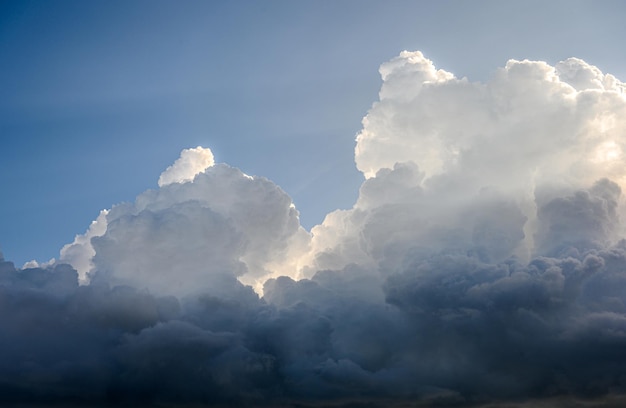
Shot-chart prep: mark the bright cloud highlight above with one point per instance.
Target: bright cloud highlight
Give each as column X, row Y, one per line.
column 190, row 163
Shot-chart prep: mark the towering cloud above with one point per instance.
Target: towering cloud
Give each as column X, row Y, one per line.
column 529, row 121
column 483, row 264
column 452, row 164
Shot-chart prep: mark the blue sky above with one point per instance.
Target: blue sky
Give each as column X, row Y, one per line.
column 99, row 97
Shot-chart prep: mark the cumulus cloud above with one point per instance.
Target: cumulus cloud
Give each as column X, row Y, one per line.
column 455, row 164
column 530, row 120
column 80, row 253
column 176, row 239
column 185, row 168
column 481, row 265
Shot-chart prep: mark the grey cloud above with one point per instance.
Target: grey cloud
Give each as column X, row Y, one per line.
column 585, row 219
column 446, row 330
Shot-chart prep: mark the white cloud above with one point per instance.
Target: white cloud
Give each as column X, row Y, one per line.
column 35, row 264
column 190, row 163
column 176, row 239
column 457, row 165
column 80, row 253
column 529, row 120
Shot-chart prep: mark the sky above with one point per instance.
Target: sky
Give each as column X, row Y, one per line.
column 312, row 203
column 99, row 97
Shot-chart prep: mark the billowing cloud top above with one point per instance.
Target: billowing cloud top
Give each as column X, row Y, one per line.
column 190, row 163
column 483, row 264
column 176, row 239
column 455, row 164
column 529, row 121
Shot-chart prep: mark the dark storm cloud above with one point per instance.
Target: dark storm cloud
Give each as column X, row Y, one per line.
column 447, row 330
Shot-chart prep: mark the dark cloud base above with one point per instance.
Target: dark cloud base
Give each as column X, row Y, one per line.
column 451, row 330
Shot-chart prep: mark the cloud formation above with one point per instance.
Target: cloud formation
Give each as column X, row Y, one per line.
column 190, row 163
column 529, row 121
column 482, row 265
column 175, row 239
column 457, row 164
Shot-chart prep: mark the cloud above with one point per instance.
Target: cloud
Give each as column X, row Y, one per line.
column 530, row 121
column 481, row 265
column 80, row 253
column 453, row 163
column 190, row 163
column 174, row 240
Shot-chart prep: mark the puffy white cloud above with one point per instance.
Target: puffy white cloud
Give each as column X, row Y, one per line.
column 80, row 253
column 190, row 163
column 176, row 239
column 459, row 165
column 529, row 121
